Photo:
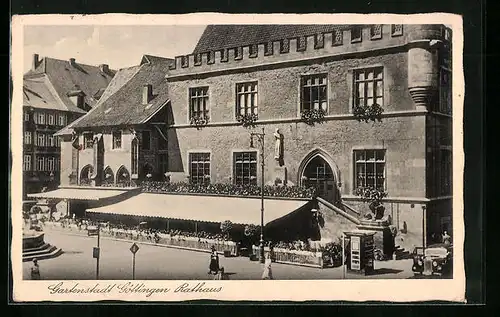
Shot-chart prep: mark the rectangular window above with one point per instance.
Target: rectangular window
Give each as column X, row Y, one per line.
column 88, row 140
column 41, row 139
column 146, row 140
column 26, row 116
column 117, row 139
column 369, row 87
column 376, row 31
column 163, row 163
column 27, row 137
column 198, row 102
column 50, row 164
column 356, row 34
column 246, row 98
column 41, row 164
column 445, row 91
column 397, row 29
column 369, row 169
column 313, row 92
column 338, row 37
column 41, row 118
column 199, row 168
column 245, row 168
column 50, row 140
column 57, row 141
column 27, row 163
column 51, row 119
column 62, row 119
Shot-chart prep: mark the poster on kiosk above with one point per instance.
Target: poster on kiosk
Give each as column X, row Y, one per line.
column 359, row 251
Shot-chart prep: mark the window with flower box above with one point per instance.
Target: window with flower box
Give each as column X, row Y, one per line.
column 246, row 98
column 369, row 86
column 369, row 169
column 198, row 103
column 199, row 168
column 245, row 168
column 314, row 94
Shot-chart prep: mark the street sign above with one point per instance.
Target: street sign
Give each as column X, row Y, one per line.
column 95, row 253
column 134, row 248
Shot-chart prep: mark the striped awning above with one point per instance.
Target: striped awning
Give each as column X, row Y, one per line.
column 202, row 208
column 81, row 193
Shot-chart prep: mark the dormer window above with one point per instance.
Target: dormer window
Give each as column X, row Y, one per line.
column 78, row 99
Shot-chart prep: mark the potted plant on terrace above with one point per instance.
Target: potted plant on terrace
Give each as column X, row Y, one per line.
column 199, row 121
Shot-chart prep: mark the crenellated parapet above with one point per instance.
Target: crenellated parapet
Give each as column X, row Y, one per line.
column 337, row 42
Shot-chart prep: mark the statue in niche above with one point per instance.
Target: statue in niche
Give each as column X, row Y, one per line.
column 278, row 147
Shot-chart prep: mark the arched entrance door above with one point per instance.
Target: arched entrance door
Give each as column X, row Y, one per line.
column 318, row 173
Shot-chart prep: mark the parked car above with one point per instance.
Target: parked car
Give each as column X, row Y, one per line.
column 436, row 259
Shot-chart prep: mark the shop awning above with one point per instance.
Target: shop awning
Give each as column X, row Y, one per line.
column 202, row 208
column 79, row 193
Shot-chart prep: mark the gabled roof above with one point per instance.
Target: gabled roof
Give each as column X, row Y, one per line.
column 121, row 103
column 38, row 92
column 65, row 77
column 216, row 37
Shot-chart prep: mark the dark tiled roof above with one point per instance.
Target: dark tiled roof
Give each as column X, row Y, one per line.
column 121, row 103
column 216, row 37
column 38, row 92
column 65, row 77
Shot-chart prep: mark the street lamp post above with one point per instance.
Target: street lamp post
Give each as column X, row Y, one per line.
column 423, row 226
column 260, row 138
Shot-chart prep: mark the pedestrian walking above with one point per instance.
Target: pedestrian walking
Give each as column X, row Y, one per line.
column 35, row 270
column 213, row 268
column 268, row 273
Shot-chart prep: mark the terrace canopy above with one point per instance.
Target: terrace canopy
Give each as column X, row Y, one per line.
column 213, row 209
column 75, row 193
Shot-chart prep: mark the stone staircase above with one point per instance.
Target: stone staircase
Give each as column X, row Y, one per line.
column 42, row 252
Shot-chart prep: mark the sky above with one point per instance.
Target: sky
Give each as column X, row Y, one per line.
column 117, row 46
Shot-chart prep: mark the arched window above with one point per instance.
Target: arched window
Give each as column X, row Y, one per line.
column 86, row 174
column 108, row 177
column 122, row 177
column 316, row 173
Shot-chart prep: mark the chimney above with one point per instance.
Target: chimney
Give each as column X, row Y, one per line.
column 72, row 61
column 147, row 93
column 35, row 62
column 104, row 68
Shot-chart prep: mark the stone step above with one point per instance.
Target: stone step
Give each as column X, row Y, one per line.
column 46, row 255
column 40, row 252
column 42, row 247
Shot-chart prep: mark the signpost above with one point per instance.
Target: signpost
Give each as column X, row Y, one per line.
column 96, row 252
column 134, row 248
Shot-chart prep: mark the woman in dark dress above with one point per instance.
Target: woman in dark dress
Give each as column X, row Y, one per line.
column 214, row 262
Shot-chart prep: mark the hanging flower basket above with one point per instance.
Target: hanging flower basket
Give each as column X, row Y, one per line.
column 247, row 120
column 124, row 174
column 149, row 175
column 108, row 175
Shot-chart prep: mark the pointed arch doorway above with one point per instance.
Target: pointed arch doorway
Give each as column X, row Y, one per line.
column 318, row 171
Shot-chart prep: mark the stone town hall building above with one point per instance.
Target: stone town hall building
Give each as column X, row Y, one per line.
column 181, row 117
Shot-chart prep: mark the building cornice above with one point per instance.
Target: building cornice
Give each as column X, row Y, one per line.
column 337, row 117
